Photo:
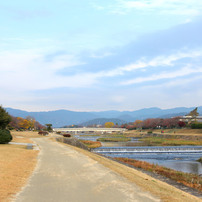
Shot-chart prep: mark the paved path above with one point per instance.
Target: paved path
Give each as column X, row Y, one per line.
column 65, row 175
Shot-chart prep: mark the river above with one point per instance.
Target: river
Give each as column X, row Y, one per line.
column 181, row 158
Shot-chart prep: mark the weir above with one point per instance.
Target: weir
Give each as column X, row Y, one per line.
column 171, row 149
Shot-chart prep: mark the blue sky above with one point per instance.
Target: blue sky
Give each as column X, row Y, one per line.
column 100, row 55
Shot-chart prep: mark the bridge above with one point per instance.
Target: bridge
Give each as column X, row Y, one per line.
column 89, row 130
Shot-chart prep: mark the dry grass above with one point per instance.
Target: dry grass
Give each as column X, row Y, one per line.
column 185, row 131
column 24, row 136
column 16, row 165
column 91, row 144
column 188, row 179
column 162, row 141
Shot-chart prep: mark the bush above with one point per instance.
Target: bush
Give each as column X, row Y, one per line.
column 200, row 160
column 43, row 133
column 149, row 132
column 196, row 125
column 5, row 136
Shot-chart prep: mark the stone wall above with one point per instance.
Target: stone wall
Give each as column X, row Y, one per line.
column 72, row 141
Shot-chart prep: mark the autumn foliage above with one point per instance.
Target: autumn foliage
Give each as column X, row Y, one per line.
column 25, row 124
column 153, row 123
column 109, row 124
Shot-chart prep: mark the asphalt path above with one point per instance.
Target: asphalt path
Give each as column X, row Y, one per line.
column 65, row 175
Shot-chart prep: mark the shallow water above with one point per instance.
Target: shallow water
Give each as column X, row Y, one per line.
column 181, row 161
column 179, row 158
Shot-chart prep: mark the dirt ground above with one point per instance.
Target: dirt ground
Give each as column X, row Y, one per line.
column 16, row 165
column 158, row 188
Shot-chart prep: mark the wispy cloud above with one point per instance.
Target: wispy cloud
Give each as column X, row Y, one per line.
column 31, row 71
column 163, row 60
column 180, row 81
column 179, row 7
column 165, row 75
column 171, row 7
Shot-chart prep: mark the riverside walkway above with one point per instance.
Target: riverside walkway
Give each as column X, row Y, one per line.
column 65, row 175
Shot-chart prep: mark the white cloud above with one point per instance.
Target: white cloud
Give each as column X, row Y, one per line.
column 165, row 75
column 180, row 81
column 30, row 71
column 174, row 7
column 27, row 70
column 162, row 60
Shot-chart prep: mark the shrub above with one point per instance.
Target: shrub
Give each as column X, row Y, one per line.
column 5, row 136
column 149, row 132
column 196, row 125
column 200, row 160
column 43, row 133
column 66, row 135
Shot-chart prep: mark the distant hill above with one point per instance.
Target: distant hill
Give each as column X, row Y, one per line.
column 58, row 118
column 61, row 118
column 102, row 121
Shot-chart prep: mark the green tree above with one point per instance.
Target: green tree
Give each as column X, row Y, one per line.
column 4, row 118
column 49, row 127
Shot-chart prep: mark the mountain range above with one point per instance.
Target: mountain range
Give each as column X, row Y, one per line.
column 60, row 118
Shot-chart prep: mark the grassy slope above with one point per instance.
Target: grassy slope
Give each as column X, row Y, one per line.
column 16, row 165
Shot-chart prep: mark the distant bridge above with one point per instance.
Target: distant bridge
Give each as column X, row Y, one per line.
column 90, row 130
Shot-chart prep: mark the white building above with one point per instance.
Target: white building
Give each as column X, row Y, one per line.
column 189, row 118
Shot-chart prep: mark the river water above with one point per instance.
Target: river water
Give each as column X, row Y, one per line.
column 181, row 158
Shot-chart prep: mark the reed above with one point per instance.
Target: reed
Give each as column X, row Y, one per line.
column 161, row 141
column 188, row 179
column 91, row 144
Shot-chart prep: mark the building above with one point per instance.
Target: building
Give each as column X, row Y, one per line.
column 189, row 119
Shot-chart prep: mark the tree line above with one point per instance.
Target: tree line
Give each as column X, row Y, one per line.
column 18, row 123
column 153, row 123
column 28, row 123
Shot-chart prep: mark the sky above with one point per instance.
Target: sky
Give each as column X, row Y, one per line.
column 100, row 55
